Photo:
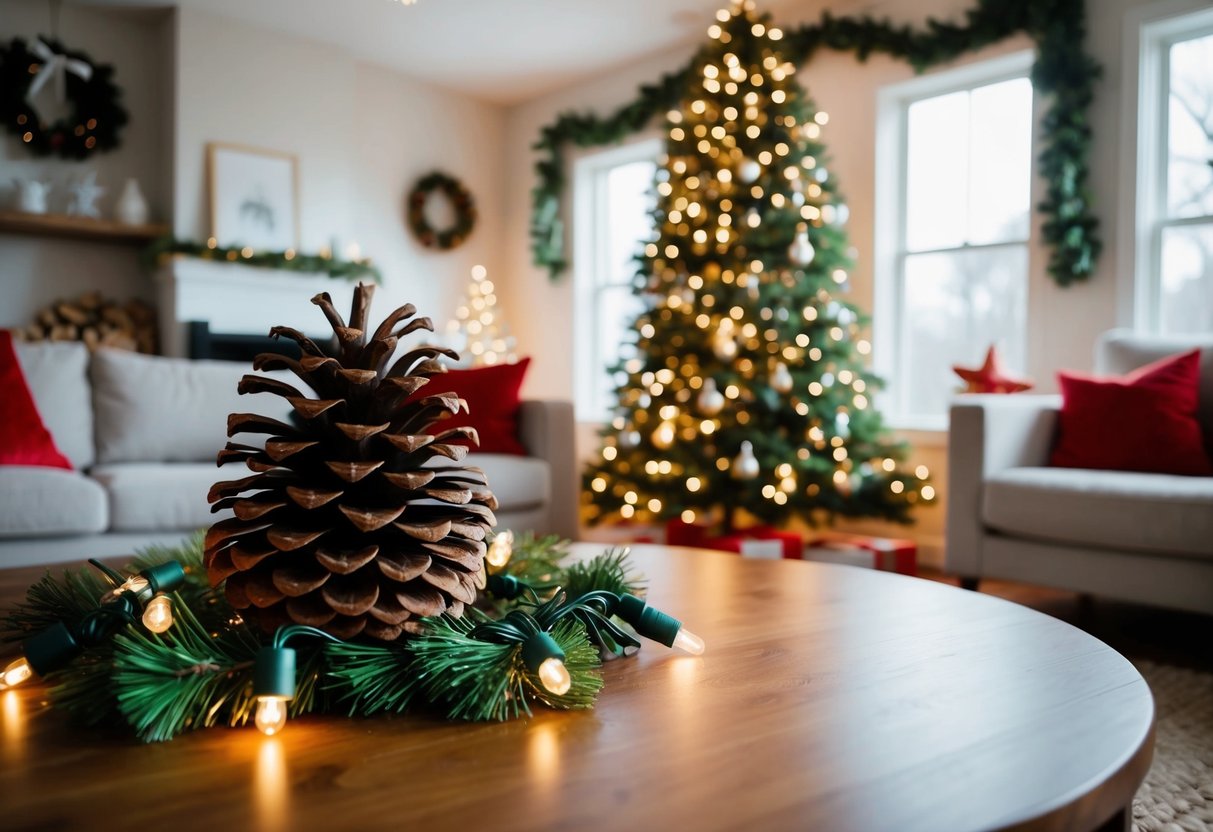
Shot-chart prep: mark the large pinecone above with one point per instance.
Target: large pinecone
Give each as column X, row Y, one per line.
column 347, row 523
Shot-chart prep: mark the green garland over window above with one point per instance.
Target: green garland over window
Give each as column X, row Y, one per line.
column 1063, row 72
column 97, row 115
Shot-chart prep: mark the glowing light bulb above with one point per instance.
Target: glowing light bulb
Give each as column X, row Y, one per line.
column 555, row 676
column 158, row 616
column 689, row 642
column 271, row 714
column 500, row 550
column 16, row 673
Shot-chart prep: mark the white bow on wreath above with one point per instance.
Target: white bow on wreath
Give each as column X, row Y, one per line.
column 55, row 66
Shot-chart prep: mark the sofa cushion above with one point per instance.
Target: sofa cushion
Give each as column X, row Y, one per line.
column 49, row 502
column 24, row 439
column 153, row 409
column 491, row 393
column 57, row 375
column 1113, row 509
column 150, row 497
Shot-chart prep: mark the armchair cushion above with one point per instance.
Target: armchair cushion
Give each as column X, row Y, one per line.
column 1115, row 510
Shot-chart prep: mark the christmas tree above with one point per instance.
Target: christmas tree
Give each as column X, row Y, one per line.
column 747, row 389
column 475, row 332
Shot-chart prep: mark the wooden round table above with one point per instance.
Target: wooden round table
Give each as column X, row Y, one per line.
column 829, row 698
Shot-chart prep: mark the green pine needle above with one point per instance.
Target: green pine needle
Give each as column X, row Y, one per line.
column 611, row 571
column 67, row 598
column 186, row 678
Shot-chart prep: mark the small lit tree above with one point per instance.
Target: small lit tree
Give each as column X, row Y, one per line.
column 476, row 331
column 748, row 388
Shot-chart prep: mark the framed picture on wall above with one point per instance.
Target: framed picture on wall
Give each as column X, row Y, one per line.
column 254, row 197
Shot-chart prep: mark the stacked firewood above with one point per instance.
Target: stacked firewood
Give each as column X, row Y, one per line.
column 98, row 322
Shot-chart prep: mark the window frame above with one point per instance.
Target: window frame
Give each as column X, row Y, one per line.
column 590, row 262
column 1146, row 132
column 889, row 233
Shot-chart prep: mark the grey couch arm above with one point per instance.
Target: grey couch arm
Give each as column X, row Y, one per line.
column 987, row 434
column 546, row 430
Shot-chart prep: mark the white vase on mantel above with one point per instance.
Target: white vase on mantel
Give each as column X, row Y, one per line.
column 131, row 208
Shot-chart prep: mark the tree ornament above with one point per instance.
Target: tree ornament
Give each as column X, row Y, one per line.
column 84, row 196
column 990, row 376
column 745, row 465
column 723, row 345
column 710, row 400
column 781, row 378
column 801, row 251
column 748, row 171
column 663, row 436
column 358, row 518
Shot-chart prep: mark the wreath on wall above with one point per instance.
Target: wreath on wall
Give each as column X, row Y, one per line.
column 465, row 211
column 1063, row 72
column 94, row 115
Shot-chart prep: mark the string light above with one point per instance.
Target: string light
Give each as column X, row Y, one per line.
column 55, row 646
column 273, row 685
column 501, row 547
column 656, row 625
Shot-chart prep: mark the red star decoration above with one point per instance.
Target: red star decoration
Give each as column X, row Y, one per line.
column 990, row 378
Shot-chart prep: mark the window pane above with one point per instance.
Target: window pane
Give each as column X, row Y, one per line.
column 955, row 305
column 1190, row 129
column 630, row 202
column 1000, row 162
column 616, row 310
column 1186, row 294
column 937, row 151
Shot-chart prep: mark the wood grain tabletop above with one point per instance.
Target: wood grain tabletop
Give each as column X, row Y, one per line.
column 829, row 698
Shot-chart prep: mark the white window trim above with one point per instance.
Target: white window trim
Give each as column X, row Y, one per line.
column 892, row 103
column 1149, row 33
column 589, row 259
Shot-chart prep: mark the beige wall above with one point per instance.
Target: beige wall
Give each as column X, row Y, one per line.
column 1063, row 323
column 37, row 270
column 362, row 134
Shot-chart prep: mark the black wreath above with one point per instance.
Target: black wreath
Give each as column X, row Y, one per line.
column 465, row 212
column 97, row 114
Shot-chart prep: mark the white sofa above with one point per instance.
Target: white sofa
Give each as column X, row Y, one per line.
column 1138, row 537
column 142, row 433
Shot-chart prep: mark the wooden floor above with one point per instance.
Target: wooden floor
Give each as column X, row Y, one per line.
column 1135, row 631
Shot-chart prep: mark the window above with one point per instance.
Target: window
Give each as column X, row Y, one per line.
column 1174, row 239
column 613, row 204
column 953, row 216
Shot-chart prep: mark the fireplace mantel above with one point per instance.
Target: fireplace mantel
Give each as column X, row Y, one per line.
column 238, row 299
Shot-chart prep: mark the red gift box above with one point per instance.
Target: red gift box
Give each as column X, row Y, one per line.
column 887, row 554
column 678, row 533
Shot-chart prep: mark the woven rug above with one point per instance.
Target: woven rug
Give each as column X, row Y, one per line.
column 1177, row 795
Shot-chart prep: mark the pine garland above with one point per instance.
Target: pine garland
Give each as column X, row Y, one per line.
column 162, row 250
column 1063, row 72
column 200, row 673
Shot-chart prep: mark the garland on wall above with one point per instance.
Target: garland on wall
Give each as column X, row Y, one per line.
column 1063, row 72
column 87, row 89
column 461, row 201
column 164, row 249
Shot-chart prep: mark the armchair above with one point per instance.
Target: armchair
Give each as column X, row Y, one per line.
column 1138, row 537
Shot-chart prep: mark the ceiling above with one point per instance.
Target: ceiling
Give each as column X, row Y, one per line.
column 503, row 51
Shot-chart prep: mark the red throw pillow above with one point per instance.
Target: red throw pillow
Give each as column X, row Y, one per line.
column 24, row 440
column 492, row 396
column 1144, row 421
